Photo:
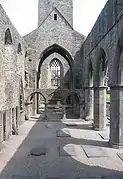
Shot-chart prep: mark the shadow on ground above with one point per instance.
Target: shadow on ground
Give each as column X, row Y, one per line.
column 23, row 165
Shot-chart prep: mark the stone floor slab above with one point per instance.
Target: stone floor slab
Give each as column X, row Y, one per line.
column 70, row 124
column 104, row 135
column 66, row 151
column 61, row 133
column 26, row 177
column 113, row 177
column 94, row 152
column 38, row 151
column 120, row 155
column 1, row 146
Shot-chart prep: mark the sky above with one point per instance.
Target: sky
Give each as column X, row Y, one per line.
column 24, row 14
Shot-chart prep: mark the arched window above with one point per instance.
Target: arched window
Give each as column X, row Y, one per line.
column 8, row 37
column 56, row 72
column 19, row 50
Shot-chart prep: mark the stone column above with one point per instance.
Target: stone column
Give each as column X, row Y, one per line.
column 27, row 111
column 99, row 108
column 36, row 95
column 8, row 124
column 64, row 111
column 116, row 116
column 18, row 117
column 90, row 103
column 45, row 117
column 32, row 106
column 1, row 126
column 82, row 104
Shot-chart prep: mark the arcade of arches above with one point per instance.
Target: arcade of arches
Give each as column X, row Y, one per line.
column 60, row 74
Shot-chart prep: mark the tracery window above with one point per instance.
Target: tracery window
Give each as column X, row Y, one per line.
column 56, row 72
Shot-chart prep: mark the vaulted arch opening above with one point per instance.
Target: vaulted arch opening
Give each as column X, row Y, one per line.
column 116, row 93
column 100, row 91
column 72, row 102
column 101, row 68
column 8, row 37
column 19, row 49
column 55, row 48
column 89, row 95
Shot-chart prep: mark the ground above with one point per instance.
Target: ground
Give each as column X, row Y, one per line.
column 66, row 155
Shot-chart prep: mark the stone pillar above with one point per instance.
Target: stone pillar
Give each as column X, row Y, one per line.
column 14, row 116
column 18, row 117
column 82, row 104
column 64, row 111
column 90, row 103
column 33, row 107
column 100, row 119
column 36, row 95
column 1, row 126
column 4, row 125
column 116, row 116
column 27, row 111
column 8, row 129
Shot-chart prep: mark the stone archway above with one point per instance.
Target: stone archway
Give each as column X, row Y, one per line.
column 30, row 104
column 116, row 99
column 100, row 119
column 88, row 91
column 55, row 48
column 72, row 105
column 55, row 105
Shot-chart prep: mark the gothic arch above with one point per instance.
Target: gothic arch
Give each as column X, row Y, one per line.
column 33, row 94
column 101, row 66
column 52, row 49
column 70, row 93
column 73, row 99
column 19, row 49
column 90, row 72
column 58, row 94
column 8, row 37
column 116, row 61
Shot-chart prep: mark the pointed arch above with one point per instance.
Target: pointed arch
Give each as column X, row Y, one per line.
column 101, row 67
column 117, row 62
column 8, row 37
column 101, row 61
column 58, row 49
column 19, row 49
column 90, row 68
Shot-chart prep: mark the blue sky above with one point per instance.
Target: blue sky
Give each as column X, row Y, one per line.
column 24, row 14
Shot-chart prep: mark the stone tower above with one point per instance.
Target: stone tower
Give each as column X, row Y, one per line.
column 65, row 7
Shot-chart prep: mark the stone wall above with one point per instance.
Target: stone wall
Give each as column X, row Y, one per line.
column 102, row 56
column 11, row 73
column 65, row 7
column 49, row 33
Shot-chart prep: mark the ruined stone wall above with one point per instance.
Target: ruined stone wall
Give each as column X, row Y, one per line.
column 105, row 34
column 65, row 7
column 45, row 76
column 49, row 33
column 11, row 73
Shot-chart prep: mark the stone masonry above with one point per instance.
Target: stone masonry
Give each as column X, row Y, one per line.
column 57, row 68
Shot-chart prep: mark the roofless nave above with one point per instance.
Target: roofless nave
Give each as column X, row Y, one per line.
column 58, row 73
